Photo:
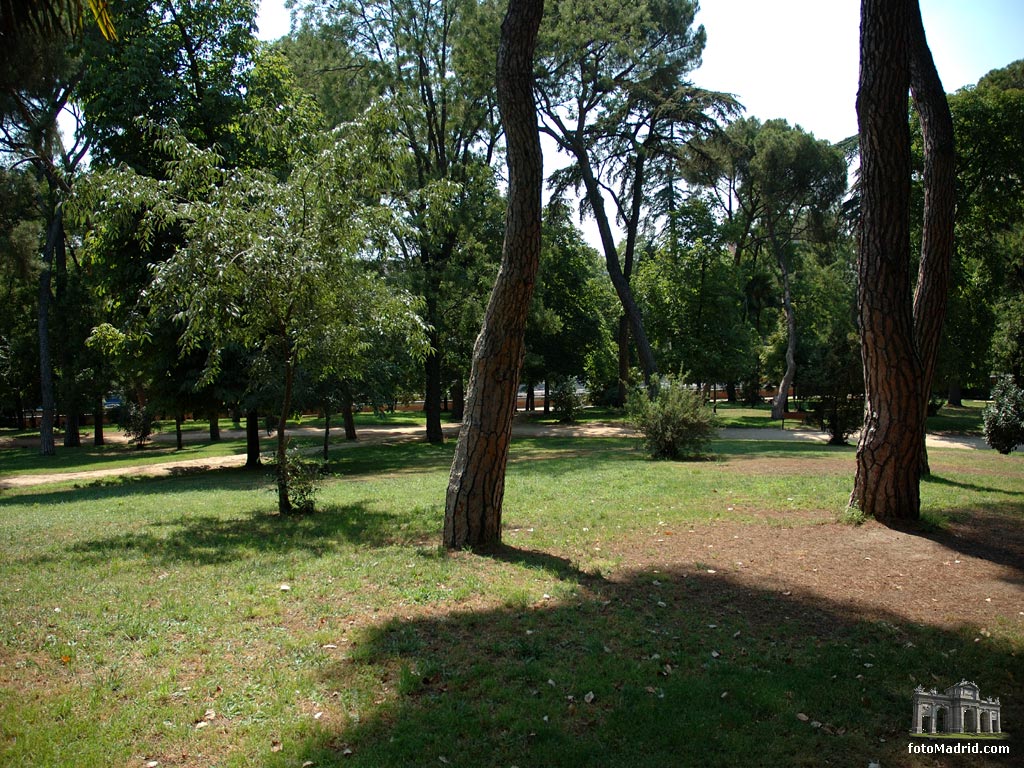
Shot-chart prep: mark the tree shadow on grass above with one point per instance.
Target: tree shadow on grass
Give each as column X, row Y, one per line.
column 125, row 486
column 995, row 534
column 937, row 480
column 210, row 540
column 656, row 668
column 560, row 567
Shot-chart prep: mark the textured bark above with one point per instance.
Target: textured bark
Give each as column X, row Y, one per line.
column 893, row 349
column 476, row 485
column 931, row 294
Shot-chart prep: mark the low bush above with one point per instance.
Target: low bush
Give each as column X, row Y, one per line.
column 566, row 401
column 137, row 423
column 1004, row 417
column 675, row 422
column 303, row 478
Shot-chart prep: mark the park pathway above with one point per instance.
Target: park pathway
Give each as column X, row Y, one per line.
column 382, row 433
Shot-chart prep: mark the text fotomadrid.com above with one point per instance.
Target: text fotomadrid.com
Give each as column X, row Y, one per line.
column 959, row 749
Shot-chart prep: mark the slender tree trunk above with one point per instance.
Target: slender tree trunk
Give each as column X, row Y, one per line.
column 955, row 396
column 432, row 393
column 98, row 415
column 326, row 452
column 284, row 504
column 623, row 347
column 458, row 400
column 931, row 293
column 72, row 426
column 886, row 486
column 54, row 231
column 214, row 417
column 349, row 418
column 179, row 440
column 620, row 281
column 547, row 396
column 531, row 402
column 252, row 439
column 781, row 403
column 477, row 482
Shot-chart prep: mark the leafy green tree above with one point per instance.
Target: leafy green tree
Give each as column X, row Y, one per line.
column 568, row 322
column 177, row 62
column 430, row 65
column 614, row 95
column 777, row 186
column 693, row 302
column 44, row 80
column 272, row 265
column 982, row 332
column 20, row 232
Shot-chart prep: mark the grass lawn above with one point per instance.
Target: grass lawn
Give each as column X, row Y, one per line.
column 640, row 614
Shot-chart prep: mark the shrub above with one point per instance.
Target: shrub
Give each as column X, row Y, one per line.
column 136, row 422
column 839, row 416
column 1004, row 417
column 303, row 478
column 566, row 402
column 935, row 405
column 674, row 421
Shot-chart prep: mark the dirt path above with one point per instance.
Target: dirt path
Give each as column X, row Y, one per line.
column 385, row 433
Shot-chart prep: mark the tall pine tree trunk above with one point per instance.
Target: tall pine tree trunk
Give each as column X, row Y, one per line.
column 476, row 485
column 888, row 454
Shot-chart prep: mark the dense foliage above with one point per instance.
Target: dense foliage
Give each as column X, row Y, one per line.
column 228, row 216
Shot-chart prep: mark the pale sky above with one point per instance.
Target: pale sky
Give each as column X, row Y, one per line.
column 797, row 59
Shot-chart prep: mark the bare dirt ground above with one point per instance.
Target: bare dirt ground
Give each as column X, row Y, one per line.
column 970, row 574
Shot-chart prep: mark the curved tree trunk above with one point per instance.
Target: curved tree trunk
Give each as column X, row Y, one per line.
column 931, row 294
column 899, row 337
column 476, row 485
